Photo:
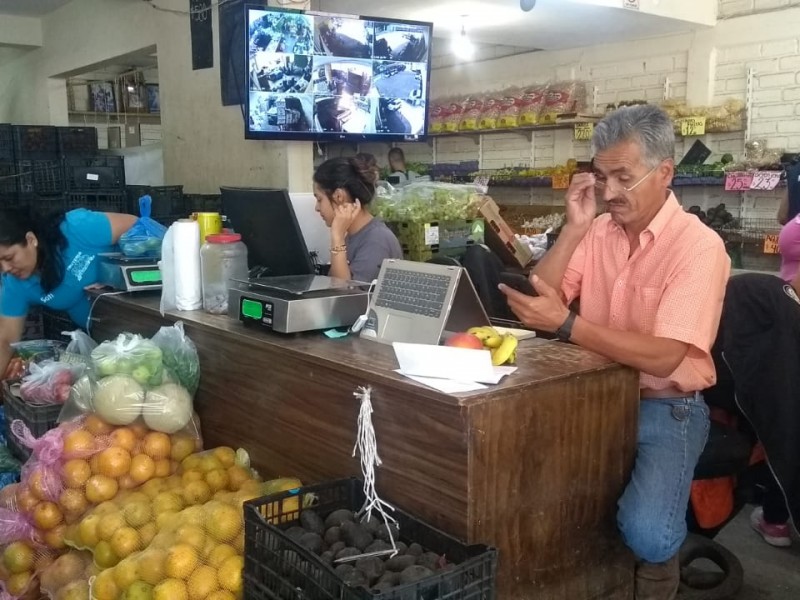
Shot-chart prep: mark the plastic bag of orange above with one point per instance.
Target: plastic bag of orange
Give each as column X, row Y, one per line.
column 67, row 578
column 20, row 566
column 115, row 529
column 82, row 464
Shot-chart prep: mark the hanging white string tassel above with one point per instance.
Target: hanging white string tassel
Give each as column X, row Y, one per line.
column 367, row 447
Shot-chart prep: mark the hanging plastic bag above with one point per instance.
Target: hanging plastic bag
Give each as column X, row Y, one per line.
column 80, row 348
column 179, row 355
column 145, row 237
column 49, row 382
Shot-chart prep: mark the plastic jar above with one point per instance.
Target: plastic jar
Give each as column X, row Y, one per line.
column 223, row 257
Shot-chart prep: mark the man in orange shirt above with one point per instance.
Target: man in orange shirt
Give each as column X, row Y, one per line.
column 651, row 280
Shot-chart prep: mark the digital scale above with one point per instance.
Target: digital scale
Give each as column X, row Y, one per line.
column 129, row 274
column 298, row 302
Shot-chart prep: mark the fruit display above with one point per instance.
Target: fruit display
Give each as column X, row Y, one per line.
column 426, row 201
column 717, row 218
column 503, row 346
column 49, row 382
column 729, row 116
column 344, row 543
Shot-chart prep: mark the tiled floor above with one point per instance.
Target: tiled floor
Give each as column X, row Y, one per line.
column 769, row 573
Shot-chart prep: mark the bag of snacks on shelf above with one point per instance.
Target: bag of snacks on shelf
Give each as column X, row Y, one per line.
column 510, row 102
column 49, row 382
column 490, row 112
column 452, row 115
column 563, row 97
column 179, row 355
column 436, row 120
column 471, row 109
column 531, row 103
column 145, row 237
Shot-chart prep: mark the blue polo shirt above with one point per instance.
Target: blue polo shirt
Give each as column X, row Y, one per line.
column 88, row 234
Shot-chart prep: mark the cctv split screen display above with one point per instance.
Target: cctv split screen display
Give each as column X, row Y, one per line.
column 334, row 75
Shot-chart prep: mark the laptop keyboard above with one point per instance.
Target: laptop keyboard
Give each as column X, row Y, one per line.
column 416, row 293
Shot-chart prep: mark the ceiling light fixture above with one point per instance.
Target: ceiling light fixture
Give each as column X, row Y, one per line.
column 527, row 5
column 462, row 46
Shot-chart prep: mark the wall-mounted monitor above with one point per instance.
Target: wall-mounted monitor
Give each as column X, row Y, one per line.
column 322, row 77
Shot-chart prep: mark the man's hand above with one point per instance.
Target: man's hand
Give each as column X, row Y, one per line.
column 581, row 202
column 546, row 312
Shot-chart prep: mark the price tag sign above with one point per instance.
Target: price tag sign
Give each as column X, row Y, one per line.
column 584, row 131
column 481, row 184
column 739, row 181
column 765, row 180
column 431, row 235
column 771, row 244
column 560, row 181
column 692, row 126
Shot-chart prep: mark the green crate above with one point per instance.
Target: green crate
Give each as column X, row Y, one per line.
column 439, row 234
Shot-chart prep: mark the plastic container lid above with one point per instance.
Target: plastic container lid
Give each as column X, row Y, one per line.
column 223, row 238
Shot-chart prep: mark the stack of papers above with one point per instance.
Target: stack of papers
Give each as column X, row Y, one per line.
column 447, row 369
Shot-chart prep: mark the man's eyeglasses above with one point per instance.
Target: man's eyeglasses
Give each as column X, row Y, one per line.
column 601, row 186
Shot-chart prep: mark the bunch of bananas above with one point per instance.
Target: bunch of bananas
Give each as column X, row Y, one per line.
column 502, row 346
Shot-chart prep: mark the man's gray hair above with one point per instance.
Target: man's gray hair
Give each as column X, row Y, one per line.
column 645, row 124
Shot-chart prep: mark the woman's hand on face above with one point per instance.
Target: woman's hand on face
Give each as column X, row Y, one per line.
column 343, row 216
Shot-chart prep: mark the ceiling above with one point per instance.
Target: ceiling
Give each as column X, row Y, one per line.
column 32, row 8
column 551, row 25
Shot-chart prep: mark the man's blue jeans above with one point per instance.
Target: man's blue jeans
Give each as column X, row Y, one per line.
column 652, row 510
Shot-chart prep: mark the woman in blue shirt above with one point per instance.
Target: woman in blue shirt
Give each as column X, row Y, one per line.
column 50, row 261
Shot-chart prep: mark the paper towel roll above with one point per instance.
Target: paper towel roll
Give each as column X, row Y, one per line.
column 186, row 265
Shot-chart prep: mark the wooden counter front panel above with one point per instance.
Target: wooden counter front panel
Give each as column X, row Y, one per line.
column 552, row 516
column 297, row 418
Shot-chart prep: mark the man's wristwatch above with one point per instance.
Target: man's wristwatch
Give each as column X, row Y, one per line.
column 564, row 333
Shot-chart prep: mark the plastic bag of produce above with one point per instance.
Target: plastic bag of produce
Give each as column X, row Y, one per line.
column 49, row 382
column 67, row 577
column 531, row 103
column 83, row 464
column 429, row 201
column 80, row 348
column 145, row 237
column 179, row 355
column 28, row 352
column 132, row 355
column 137, row 519
column 22, row 563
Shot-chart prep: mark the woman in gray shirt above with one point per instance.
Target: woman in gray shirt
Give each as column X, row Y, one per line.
column 344, row 187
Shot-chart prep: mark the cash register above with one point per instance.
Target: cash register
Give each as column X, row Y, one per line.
column 285, row 292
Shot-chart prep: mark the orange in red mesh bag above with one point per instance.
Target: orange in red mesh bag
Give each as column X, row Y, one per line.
column 21, row 564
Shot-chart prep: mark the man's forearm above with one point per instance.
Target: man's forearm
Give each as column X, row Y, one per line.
column 554, row 263
column 655, row 356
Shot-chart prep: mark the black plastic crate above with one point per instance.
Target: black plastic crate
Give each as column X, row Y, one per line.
column 42, row 177
column 44, row 205
column 35, row 142
column 101, row 200
column 77, row 140
column 9, row 178
column 39, row 419
column 203, row 203
column 94, row 172
column 167, row 199
column 7, row 145
column 278, row 567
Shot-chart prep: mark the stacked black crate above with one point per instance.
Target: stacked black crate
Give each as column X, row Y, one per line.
column 40, row 176
column 96, row 182
column 168, row 204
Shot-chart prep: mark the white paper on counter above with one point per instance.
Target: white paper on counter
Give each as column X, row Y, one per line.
column 447, row 386
column 444, row 362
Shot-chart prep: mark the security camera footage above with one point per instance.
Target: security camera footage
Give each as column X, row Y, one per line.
column 317, row 76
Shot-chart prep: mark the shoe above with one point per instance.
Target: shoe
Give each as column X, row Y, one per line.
column 774, row 535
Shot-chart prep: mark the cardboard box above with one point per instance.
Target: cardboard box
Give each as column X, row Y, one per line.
column 501, row 238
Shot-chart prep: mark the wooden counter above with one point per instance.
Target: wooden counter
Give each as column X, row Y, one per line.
column 533, row 466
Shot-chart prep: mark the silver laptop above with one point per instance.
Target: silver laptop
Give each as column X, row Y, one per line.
column 421, row 303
